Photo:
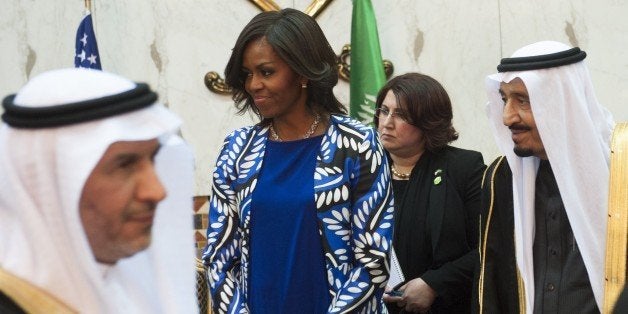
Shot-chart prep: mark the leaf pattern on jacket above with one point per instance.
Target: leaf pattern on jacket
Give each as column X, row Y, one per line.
column 354, row 207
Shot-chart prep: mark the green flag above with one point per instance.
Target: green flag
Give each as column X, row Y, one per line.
column 367, row 69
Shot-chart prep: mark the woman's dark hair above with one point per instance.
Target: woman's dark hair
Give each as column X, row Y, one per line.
column 300, row 42
column 427, row 106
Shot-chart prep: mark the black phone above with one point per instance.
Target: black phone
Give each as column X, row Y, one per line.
column 395, row 293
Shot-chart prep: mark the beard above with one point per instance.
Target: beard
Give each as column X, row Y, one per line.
column 523, row 152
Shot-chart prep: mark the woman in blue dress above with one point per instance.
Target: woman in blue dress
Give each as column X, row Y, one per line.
column 301, row 211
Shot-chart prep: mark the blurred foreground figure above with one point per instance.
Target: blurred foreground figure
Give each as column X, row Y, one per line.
column 92, row 216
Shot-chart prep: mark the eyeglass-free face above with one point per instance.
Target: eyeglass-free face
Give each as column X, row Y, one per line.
column 518, row 117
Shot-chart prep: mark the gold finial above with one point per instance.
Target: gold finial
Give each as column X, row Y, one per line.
column 216, row 84
column 344, row 64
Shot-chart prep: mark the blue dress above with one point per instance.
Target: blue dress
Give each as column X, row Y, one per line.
column 287, row 269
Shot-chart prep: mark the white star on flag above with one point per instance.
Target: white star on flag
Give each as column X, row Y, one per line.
column 86, row 52
column 92, row 59
column 81, row 55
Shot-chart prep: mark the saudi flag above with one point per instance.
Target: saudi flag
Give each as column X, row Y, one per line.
column 367, row 69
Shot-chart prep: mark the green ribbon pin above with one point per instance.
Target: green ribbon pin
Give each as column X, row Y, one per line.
column 438, row 178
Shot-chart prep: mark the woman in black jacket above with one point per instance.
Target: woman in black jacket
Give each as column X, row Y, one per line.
column 437, row 196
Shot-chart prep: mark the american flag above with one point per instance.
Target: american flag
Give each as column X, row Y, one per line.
column 86, row 48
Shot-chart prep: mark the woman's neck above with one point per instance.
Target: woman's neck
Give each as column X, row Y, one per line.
column 404, row 164
column 298, row 127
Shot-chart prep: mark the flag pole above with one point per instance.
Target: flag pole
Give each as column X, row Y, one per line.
column 88, row 5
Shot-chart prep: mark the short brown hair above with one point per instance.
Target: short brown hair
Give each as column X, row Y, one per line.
column 427, row 105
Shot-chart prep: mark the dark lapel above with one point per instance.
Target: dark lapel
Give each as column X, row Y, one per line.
column 438, row 195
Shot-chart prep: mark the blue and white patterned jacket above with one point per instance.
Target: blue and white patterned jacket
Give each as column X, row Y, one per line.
column 354, row 206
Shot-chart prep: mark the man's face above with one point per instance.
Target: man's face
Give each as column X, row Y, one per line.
column 518, row 117
column 118, row 201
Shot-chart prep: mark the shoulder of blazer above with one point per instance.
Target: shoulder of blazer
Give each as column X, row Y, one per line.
column 350, row 126
column 459, row 156
column 243, row 132
column 460, row 162
column 240, row 150
column 242, row 136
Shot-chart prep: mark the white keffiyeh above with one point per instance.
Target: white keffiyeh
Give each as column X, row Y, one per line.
column 576, row 132
column 43, row 172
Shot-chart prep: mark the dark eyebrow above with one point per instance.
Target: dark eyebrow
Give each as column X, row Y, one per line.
column 514, row 93
column 125, row 159
column 519, row 94
column 257, row 66
column 155, row 152
column 264, row 64
column 135, row 155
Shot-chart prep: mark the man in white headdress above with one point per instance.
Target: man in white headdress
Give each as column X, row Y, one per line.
column 85, row 158
column 544, row 219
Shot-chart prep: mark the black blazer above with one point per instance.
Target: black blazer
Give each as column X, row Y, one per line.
column 452, row 223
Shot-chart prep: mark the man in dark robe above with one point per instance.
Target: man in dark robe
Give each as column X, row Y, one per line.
column 545, row 203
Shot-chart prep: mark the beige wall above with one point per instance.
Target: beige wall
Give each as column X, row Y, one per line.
column 172, row 44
